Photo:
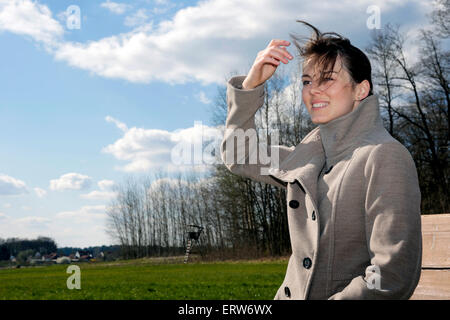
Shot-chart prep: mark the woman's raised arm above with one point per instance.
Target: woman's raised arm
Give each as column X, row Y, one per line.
column 266, row 63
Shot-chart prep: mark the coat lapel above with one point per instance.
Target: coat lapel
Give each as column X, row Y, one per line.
column 303, row 164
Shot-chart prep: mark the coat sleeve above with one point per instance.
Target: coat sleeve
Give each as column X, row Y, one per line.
column 240, row 151
column 393, row 227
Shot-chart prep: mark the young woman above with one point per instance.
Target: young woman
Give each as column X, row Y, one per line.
column 352, row 189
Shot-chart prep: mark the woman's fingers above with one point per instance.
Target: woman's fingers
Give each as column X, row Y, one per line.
column 277, row 54
column 280, row 45
column 270, row 60
column 278, row 42
column 283, row 53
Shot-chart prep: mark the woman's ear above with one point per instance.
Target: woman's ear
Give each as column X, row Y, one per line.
column 362, row 90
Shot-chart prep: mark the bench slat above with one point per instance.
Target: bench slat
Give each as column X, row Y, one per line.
column 436, row 240
column 433, row 285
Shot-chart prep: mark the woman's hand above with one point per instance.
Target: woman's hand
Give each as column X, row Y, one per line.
column 266, row 63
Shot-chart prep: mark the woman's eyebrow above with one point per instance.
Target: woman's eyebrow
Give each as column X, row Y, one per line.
column 325, row 72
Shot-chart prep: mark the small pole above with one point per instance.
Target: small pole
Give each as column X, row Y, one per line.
column 188, row 250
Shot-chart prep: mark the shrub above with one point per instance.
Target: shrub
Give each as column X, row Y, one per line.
column 63, row 260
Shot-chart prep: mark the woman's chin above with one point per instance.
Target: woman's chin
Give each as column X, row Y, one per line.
column 320, row 120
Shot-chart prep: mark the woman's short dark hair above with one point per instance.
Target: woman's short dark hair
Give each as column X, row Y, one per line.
column 324, row 48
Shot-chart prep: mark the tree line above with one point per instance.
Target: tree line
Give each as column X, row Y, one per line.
column 243, row 217
column 13, row 246
column 94, row 250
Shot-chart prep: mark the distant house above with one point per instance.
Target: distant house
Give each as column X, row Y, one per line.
column 86, row 257
column 73, row 257
column 83, row 255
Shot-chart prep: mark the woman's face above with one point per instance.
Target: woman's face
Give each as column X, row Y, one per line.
column 334, row 98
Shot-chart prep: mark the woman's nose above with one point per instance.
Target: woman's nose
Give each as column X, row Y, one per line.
column 315, row 89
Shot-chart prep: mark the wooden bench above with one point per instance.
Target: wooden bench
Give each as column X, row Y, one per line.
column 434, row 281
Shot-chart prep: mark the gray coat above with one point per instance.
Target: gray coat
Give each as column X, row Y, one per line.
column 353, row 203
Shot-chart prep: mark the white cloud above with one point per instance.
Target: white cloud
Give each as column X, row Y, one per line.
column 40, row 192
column 99, row 195
column 29, row 18
column 122, row 126
column 70, row 181
column 138, row 18
column 81, row 227
column 106, row 184
column 7, row 205
column 203, row 42
column 194, row 45
column 85, row 214
column 105, row 192
column 115, row 7
column 179, row 150
column 201, row 96
column 11, row 186
column 34, row 222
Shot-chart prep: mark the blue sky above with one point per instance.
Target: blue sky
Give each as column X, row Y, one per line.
column 81, row 109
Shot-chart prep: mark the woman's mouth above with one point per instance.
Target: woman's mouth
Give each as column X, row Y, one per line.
column 319, row 105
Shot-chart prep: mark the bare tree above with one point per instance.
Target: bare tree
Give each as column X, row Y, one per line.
column 385, row 70
column 416, row 96
column 440, row 17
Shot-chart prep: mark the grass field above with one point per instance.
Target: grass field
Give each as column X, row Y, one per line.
column 154, row 279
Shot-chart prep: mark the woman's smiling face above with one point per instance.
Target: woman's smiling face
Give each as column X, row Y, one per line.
column 335, row 97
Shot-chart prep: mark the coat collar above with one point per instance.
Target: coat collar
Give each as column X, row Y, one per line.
column 343, row 133
column 327, row 144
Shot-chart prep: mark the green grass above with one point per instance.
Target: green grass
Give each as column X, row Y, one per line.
column 145, row 279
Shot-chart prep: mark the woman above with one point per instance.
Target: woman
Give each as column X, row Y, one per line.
column 352, row 189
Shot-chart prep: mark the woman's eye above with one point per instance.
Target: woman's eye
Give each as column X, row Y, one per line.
column 306, row 82
column 328, row 79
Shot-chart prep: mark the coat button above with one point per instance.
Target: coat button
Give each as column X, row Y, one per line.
column 287, row 292
column 314, row 215
column 294, row 204
column 307, row 263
